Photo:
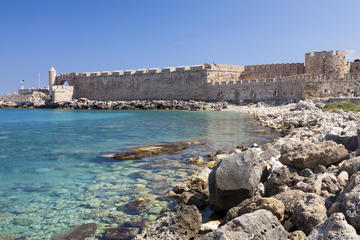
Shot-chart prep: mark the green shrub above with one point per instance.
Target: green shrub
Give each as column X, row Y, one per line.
column 346, row 106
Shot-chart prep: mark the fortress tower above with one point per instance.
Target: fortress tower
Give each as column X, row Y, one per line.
column 52, row 76
column 326, row 62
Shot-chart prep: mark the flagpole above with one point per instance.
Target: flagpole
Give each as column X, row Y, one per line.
column 39, row 80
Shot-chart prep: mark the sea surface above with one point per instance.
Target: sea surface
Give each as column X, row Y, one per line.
column 51, row 178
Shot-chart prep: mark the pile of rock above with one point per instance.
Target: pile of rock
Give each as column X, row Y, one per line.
column 84, row 103
column 305, row 185
column 24, row 100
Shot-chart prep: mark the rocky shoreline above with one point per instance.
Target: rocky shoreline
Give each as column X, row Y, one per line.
column 85, row 104
column 303, row 185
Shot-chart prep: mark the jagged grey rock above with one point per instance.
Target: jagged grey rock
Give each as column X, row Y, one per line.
column 290, row 198
column 307, row 154
column 305, row 105
column 280, row 180
column 183, row 222
column 335, row 227
column 343, row 178
column 276, row 207
column 351, row 165
column 297, row 235
column 309, row 213
column 351, row 201
column 260, row 224
column 346, row 137
column 235, row 179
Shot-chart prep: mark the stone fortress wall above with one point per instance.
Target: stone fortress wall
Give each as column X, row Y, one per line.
column 323, row 74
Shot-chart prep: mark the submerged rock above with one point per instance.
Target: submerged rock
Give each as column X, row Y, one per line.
column 136, row 207
column 122, row 233
column 260, row 224
column 78, row 233
column 235, row 179
column 152, row 150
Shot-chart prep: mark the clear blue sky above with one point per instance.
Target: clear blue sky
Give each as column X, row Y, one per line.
column 93, row 35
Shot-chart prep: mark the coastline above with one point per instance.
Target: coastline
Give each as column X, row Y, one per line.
column 306, row 200
column 85, row 104
column 300, row 200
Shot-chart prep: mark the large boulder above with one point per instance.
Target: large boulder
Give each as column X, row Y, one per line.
column 280, row 180
column 290, row 198
column 183, row 222
column 307, row 154
column 351, row 165
column 195, row 190
column 305, row 105
column 313, row 184
column 235, row 179
column 335, row 227
column 309, row 213
column 346, row 137
column 358, row 132
column 260, row 224
column 273, row 205
column 351, row 201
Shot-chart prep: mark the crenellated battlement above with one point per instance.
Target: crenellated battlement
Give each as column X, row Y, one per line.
column 134, row 72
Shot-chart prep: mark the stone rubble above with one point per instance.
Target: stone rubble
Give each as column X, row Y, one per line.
column 85, row 104
column 303, row 185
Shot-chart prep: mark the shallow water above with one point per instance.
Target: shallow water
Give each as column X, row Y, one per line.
column 51, row 178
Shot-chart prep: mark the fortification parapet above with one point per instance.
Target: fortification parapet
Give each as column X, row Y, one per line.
column 168, row 70
column 197, row 67
column 154, row 70
column 129, row 72
column 182, row 68
column 118, row 73
column 224, row 67
column 273, row 70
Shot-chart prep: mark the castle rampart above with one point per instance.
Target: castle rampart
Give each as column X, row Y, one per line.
column 320, row 75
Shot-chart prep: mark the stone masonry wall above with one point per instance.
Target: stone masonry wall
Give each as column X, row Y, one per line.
column 225, row 86
column 332, row 85
column 181, row 83
column 62, row 93
column 203, row 82
column 272, row 70
column 355, row 67
column 324, row 74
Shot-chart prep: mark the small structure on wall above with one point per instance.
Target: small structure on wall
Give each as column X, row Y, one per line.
column 59, row 93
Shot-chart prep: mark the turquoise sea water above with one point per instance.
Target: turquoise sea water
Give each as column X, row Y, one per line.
column 51, row 178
